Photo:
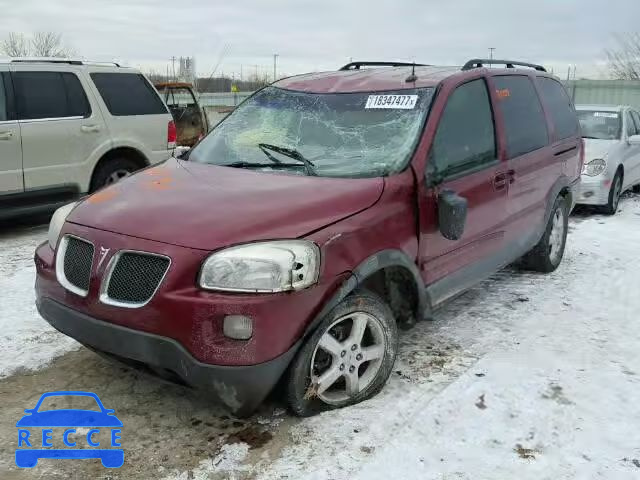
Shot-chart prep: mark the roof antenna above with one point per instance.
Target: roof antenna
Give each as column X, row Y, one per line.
column 412, row 77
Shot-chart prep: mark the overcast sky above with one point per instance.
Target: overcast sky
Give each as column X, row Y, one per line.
column 323, row 34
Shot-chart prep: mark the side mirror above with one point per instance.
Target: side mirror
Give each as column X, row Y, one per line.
column 634, row 140
column 452, row 214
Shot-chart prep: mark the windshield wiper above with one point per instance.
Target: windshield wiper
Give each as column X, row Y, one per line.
column 291, row 153
column 278, row 164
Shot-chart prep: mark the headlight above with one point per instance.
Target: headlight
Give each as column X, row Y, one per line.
column 275, row 266
column 57, row 221
column 594, row 167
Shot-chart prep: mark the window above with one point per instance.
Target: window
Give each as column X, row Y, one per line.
column 49, row 95
column 631, row 127
column 559, row 105
column 524, row 121
column 600, row 125
column 465, row 138
column 128, row 94
column 3, row 100
column 78, row 105
column 636, row 118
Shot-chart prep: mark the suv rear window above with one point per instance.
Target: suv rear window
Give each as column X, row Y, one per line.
column 559, row 105
column 524, row 121
column 127, row 94
column 49, row 95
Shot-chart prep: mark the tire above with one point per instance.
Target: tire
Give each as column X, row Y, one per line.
column 366, row 377
column 111, row 171
column 547, row 254
column 614, row 195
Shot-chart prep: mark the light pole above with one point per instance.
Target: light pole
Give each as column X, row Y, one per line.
column 275, row 57
column 491, row 49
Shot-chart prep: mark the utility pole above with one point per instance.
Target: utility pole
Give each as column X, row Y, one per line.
column 491, row 49
column 173, row 67
column 275, row 58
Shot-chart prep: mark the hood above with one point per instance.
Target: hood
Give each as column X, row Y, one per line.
column 596, row 148
column 209, row 207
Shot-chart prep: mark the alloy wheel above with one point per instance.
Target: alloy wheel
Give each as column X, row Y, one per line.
column 116, row 176
column 556, row 236
column 347, row 357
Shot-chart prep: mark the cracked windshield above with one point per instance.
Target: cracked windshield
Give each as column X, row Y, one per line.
column 301, row 240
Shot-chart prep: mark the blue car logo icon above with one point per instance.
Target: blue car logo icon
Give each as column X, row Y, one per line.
column 72, row 420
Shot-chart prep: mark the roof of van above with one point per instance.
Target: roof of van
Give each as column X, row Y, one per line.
column 389, row 76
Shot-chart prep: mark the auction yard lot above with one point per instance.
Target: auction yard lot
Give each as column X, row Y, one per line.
column 526, row 376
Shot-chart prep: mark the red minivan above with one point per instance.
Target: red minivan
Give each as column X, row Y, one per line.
column 325, row 212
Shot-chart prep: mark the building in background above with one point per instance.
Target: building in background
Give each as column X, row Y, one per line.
column 187, row 71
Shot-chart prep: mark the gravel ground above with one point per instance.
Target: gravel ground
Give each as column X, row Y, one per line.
column 525, row 376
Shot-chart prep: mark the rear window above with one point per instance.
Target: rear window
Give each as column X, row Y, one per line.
column 600, row 125
column 127, row 94
column 49, row 95
column 524, row 121
column 559, row 105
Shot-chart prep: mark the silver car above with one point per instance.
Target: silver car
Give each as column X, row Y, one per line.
column 612, row 154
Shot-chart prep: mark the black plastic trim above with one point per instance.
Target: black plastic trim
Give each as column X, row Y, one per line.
column 240, row 388
column 40, row 200
column 480, row 62
column 357, row 65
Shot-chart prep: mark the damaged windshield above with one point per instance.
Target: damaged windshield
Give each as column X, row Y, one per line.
column 328, row 134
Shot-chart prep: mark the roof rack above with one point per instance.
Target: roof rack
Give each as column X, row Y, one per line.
column 67, row 61
column 480, row 62
column 357, row 65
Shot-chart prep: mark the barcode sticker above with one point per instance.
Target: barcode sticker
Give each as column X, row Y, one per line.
column 405, row 102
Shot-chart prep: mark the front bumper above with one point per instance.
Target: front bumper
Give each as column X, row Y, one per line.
column 240, row 388
column 594, row 190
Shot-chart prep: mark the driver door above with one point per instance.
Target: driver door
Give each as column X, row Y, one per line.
column 463, row 159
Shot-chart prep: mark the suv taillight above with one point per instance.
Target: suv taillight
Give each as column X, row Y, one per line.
column 172, row 135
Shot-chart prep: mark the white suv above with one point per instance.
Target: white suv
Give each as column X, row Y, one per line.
column 69, row 127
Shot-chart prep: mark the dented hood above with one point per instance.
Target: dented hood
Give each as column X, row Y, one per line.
column 209, row 207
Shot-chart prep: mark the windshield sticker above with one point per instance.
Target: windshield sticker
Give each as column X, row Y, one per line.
column 605, row 114
column 405, row 102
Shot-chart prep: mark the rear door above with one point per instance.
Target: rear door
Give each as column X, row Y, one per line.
column 10, row 146
column 137, row 116
column 187, row 114
column 532, row 167
column 463, row 158
column 59, row 129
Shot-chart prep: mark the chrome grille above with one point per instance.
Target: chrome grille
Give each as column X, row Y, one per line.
column 133, row 278
column 74, row 263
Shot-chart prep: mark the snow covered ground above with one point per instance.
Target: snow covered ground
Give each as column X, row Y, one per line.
column 526, row 376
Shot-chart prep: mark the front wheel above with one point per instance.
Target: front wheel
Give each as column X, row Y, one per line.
column 614, row 195
column 347, row 359
column 547, row 254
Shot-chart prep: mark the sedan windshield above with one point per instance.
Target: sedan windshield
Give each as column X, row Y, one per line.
column 600, row 125
column 329, row 134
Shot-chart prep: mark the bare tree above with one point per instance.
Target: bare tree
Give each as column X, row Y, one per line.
column 624, row 61
column 15, row 45
column 49, row 44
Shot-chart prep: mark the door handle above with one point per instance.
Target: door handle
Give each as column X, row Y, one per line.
column 8, row 135
column 90, row 128
column 502, row 179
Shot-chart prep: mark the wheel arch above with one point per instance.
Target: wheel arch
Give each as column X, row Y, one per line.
column 120, row 152
column 393, row 275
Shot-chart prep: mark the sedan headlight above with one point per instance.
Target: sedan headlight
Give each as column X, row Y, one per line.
column 594, row 167
column 275, row 266
column 57, row 221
